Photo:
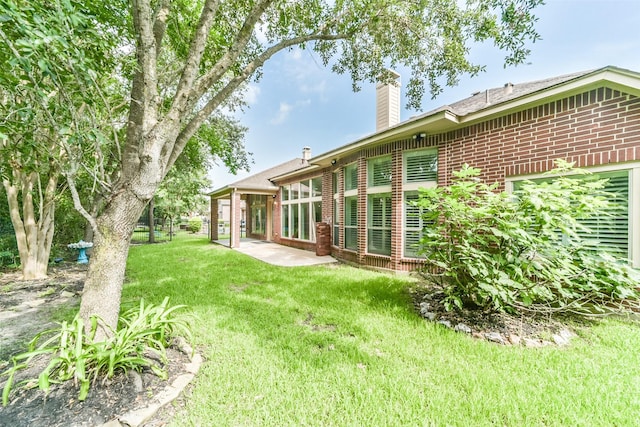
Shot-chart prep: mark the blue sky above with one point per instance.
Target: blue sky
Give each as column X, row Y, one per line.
column 300, row 103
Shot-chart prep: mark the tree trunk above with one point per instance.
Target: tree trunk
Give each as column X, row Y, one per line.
column 103, row 286
column 152, row 226
column 34, row 235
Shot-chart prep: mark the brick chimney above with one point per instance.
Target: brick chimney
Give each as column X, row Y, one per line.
column 388, row 103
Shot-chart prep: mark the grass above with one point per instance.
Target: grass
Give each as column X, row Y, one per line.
column 326, row 346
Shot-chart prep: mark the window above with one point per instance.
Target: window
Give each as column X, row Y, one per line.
column 285, row 221
column 351, row 177
column 336, row 222
column 304, row 221
column 302, row 210
column 611, row 231
column 421, row 166
column 351, row 223
column 304, row 190
column 316, row 187
column 379, row 224
column 379, row 205
column 420, row 169
column 336, row 210
column 379, row 172
column 258, row 208
column 413, row 225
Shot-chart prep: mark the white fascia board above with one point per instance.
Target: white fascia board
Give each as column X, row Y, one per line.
column 434, row 123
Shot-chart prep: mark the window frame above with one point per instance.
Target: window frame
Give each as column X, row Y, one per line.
column 413, row 187
column 377, row 193
column 298, row 216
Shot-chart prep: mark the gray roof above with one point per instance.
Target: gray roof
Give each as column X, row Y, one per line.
column 261, row 181
column 490, row 97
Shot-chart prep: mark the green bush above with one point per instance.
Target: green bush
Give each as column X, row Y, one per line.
column 523, row 251
column 195, row 225
column 143, row 332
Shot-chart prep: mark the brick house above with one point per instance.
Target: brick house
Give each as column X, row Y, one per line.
column 511, row 133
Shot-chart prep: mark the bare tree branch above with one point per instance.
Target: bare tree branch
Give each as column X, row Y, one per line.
column 77, row 204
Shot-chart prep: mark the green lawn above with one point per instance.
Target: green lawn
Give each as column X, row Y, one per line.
column 327, row 346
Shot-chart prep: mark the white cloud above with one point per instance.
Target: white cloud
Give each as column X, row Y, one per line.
column 251, row 94
column 318, row 87
column 285, row 110
column 283, row 113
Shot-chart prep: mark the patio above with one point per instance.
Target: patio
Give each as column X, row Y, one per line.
column 275, row 254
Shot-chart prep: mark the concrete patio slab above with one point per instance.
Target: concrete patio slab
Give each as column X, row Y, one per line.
column 275, row 254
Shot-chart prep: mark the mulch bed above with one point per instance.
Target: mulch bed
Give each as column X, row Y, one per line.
column 60, row 407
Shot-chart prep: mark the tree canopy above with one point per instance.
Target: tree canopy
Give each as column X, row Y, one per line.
column 183, row 60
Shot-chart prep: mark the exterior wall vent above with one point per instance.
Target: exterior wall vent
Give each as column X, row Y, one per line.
column 508, row 88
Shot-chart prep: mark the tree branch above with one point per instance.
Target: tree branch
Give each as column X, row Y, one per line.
column 192, row 63
column 77, row 204
column 194, row 124
column 232, row 55
column 160, row 24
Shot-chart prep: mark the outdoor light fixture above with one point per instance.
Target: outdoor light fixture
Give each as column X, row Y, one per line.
column 334, row 161
column 274, row 196
column 421, row 135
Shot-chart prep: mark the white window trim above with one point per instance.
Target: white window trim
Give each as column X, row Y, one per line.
column 634, row 196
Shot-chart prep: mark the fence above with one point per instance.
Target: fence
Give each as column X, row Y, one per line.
column 161, row 232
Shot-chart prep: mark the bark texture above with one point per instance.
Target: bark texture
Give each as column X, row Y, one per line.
column 32, row 220
column 103, row 286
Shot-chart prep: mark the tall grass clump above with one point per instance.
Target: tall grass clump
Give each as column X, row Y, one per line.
column 143, row 335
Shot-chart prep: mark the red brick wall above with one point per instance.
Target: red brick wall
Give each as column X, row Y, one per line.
column 213, row 227
column 593, row 128
column 277, row 217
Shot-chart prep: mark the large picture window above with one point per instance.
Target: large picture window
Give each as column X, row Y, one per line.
column 301, row 209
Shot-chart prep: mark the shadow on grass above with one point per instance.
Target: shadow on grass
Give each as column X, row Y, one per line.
column 301, row 309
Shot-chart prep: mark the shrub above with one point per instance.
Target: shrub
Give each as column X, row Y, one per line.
column 523, row 251
column 195, row 224
column 143, row 332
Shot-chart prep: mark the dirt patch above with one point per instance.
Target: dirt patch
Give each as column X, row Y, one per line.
column 26, row 308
